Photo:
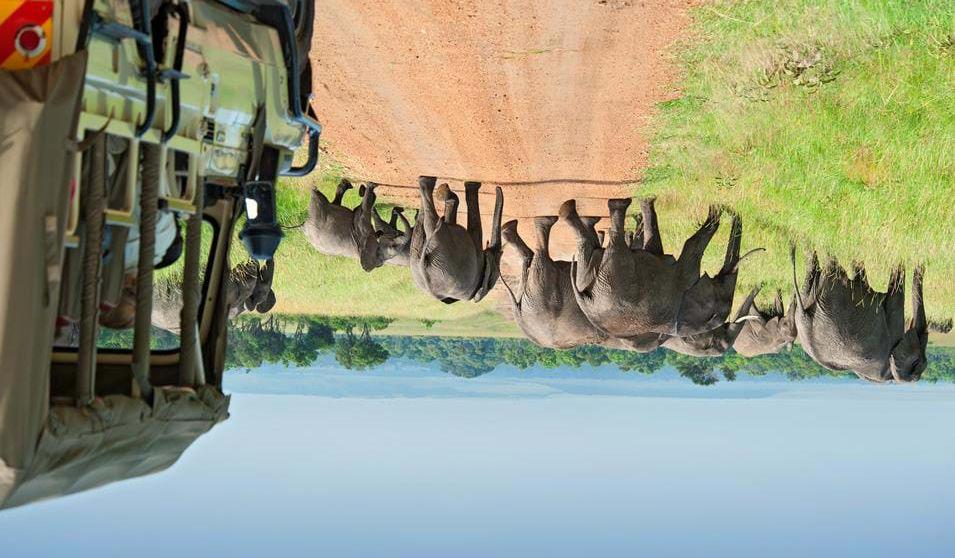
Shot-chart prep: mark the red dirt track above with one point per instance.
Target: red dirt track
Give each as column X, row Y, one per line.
column 548, row 99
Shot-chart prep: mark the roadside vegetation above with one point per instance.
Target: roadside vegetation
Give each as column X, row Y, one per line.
column 366, row 343
column 827, row 122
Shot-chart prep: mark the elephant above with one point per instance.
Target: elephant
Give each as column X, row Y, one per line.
column 338, row 231
column 543, row 302
column 394, row 244
column 248, row 287
column 843, row 324
column 627, row 289
column 715, row 342
column 767, row 331
column 448, row 260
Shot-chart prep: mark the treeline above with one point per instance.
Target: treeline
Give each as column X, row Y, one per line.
column 300, row 340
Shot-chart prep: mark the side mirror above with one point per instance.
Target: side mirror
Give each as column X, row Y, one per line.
column 261, row 234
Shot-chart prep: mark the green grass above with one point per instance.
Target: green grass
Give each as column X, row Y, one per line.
column 831, row 123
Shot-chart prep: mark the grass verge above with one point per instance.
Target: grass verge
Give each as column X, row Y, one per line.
column 827, row 122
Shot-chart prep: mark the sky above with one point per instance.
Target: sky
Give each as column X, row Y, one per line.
column 776, row 469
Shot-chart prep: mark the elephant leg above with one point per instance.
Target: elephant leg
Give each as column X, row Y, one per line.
column 368, row 199
column 490, row 274
column 589, row 253
column 428, row 214
column 526, row 255
column 471, row 197
column 512, row 237
column 495, row 242
column 393, row 219
column 638, row 240
column 618, row 215
column 778, row 309
column 652, row 242
column 451, row 202
column 688, row 266
column 919, row 322
column 318, row 204
column 731, row 260
column 542, row 226
column 591, row 225
column 343, row 187
column 398, row 214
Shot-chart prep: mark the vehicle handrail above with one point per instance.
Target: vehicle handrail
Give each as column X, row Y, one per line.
column 94, row 220
column 174, row 74
column 278, row 16
column 148, row 213
column 191, row 371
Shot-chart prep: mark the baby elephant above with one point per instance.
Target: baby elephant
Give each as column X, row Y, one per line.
column 718, row 341
column 843, row 324
column 338, row 231
column 394, row 244
column 449, row 261
column 767, row 331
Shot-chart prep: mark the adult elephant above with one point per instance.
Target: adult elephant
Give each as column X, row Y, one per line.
column 543, row 302
column 629, row 290
column 335, row 230
column 449, row 261
column 843, row 324
column 767, row 331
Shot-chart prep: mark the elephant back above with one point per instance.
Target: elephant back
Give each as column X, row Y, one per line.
column 446, row 262
column 332, row 231
column 549, row 314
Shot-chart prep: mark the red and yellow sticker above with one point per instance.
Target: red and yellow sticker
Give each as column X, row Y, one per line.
column 26, row 33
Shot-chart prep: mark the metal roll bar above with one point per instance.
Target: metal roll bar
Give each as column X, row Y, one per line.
column 191, row 371
column 94, row 217
column 148, row 212
column 278, row 16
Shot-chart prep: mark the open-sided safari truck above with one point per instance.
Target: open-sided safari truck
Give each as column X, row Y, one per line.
column 133, row 136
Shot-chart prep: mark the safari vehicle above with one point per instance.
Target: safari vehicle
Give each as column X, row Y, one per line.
column 117, row 117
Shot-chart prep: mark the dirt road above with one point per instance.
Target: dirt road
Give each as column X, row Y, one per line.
column 547, row 98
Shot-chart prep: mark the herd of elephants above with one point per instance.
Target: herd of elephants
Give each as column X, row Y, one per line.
column 624, row 290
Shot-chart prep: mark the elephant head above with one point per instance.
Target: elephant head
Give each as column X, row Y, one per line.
column 768, row 331
column 263, row 297
column 907, row 360
column 394, row 244
column 843, row 324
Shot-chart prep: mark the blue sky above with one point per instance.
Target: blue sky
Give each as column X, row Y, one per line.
column 804, row 470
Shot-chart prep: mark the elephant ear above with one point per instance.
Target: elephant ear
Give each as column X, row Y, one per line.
column 266, row 304
column 368, row 253
column 907, row 360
